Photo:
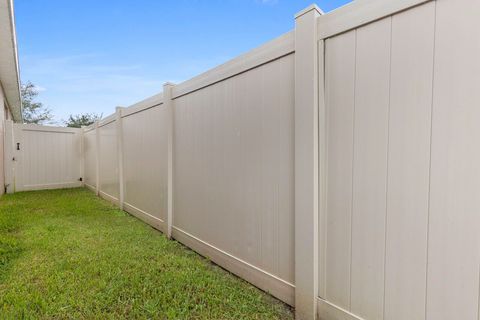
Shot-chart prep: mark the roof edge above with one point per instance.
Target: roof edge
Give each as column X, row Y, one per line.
column 9, row 66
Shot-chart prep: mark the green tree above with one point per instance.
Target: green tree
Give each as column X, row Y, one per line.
column 33, row 111
column 82, row 120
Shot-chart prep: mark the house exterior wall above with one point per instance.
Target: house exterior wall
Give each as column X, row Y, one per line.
column 10, row 100
column 5, row 114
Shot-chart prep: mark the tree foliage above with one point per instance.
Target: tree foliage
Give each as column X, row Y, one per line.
column 81, row 120
column 33, row 111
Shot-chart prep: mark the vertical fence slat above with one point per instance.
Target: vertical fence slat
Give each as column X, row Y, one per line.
column 322, row 172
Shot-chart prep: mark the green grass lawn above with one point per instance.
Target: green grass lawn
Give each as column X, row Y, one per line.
column 65, row 254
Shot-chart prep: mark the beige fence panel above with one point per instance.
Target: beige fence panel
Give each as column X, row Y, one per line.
column 408, row 162
column 233, row 174
column 378, row 84
column 401, row 231
column 145, row 163
column 44, row 158
column 108, row 159
column 454, row 238
column 232, row 147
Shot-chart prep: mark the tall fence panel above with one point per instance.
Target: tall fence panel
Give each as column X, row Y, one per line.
column 43, row 158
column 108, row 159
column 379, row 99
column 145, row 163
column 233, row 174
column 453, row 234
column 399, row 237
column 232, row 170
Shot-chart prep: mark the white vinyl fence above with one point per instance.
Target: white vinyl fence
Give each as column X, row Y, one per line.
column 400, row 233
column 232, row 174
column 336, row 167
column 41, row 157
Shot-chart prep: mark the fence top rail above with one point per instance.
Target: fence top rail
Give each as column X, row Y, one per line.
column 107, row 120
column 36, row 127
column 270, row 51
column 148, row 103
column 275, row 49
column 359, row 13
column 89, row 128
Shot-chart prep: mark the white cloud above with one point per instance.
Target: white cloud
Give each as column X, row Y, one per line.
column 83, row 83
column 39, row 88
column 269, row 2
column 89, row 83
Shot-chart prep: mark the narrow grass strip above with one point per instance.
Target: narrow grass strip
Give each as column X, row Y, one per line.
column 67, row 254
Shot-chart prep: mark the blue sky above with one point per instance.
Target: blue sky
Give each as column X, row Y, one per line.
column 92, row 55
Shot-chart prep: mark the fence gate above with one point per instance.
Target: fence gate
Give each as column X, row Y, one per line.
column 42, row 157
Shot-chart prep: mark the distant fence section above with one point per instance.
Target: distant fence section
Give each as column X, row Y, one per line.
column 126, row 159
column 224, row 141
column 40, row 157
column 336, row 167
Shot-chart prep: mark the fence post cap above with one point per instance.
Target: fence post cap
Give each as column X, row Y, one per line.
column 169, row 84
column 308, row 9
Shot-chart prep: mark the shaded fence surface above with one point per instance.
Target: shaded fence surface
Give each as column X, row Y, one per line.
column 336, row 167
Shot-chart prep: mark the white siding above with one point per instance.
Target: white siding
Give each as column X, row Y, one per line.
column 3, row 163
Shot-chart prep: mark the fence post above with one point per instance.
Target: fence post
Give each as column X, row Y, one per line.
column 97, row 159
column 306, row 162
column 168, row 103
column 9, row 163
column 121, row 190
